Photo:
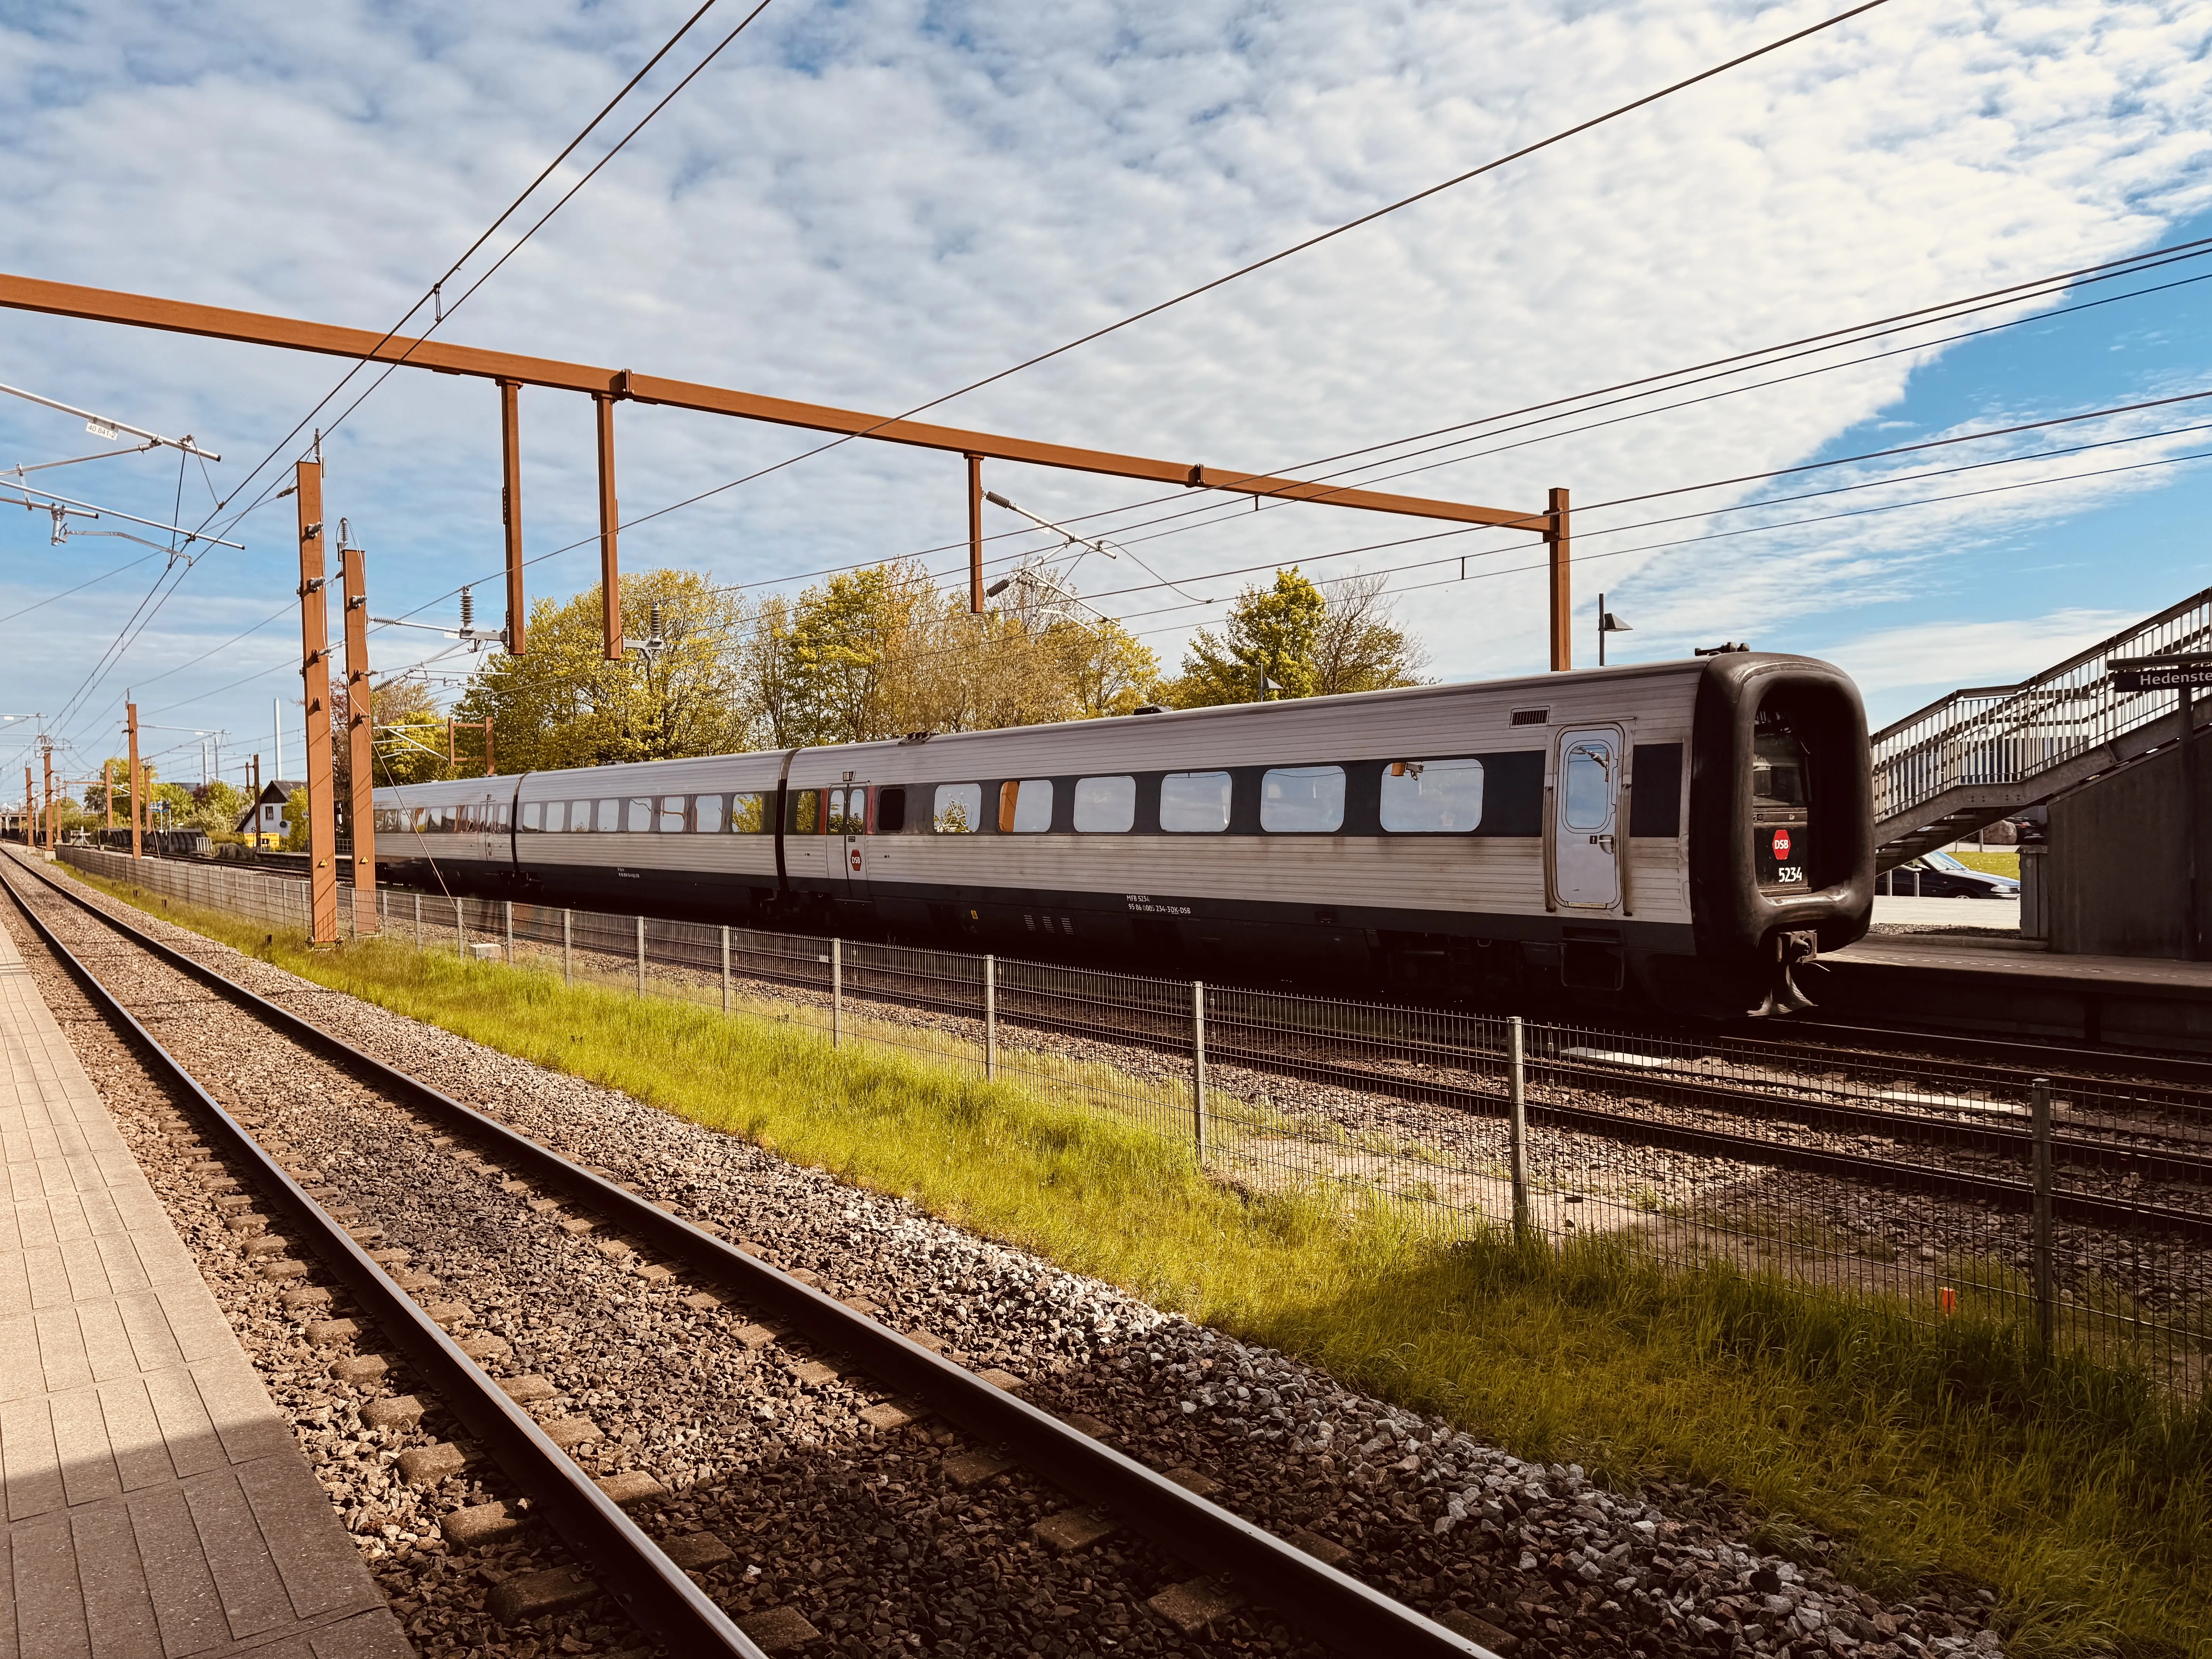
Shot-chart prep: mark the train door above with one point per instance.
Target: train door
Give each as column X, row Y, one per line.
column 1586, row 812
column 495, row 848
column 846, row 822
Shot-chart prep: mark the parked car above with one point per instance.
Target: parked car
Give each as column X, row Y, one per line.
column 1938, row 875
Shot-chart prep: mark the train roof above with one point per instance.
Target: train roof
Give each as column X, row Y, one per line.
column 1355, row 724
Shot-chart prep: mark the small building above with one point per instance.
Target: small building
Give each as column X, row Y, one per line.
column 263, row 823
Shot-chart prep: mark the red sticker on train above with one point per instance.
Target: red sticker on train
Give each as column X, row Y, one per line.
column 1781, row 845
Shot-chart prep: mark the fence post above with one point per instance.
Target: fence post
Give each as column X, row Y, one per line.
column 1198, row 1066
column 640, row 956
column 1516, row 1121
column 507, row 922
column 725, row 967
column 990, row 1018
column 418, row 922
column 568, row 948
column 461, row 926
column 836, row 992
column 2046, row 1310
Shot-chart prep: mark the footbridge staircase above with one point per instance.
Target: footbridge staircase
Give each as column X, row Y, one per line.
column 1983, row 754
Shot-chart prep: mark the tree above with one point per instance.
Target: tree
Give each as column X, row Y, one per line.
column 564, row 704
column 1360, row 647
column 410, row 736
column 1296, row 639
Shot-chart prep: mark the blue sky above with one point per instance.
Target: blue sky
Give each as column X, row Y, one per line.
column 871, row 203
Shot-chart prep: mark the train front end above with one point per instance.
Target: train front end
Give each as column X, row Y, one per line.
column 1780, row 832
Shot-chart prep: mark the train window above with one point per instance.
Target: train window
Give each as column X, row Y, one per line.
column 1432, row 797
column 533, row 815
column 805, row 813
column 748, row 815
column 890, row 811
column 959, row 810
column 706, row 815
column 1025, row 806
column 1302, row 800
column 1589, row 765
column 1194, row 803
column 1105, row 806
column 672, row 814
column 505, row 814
column 1778, row 769
column 609, row 817
column 638, row 813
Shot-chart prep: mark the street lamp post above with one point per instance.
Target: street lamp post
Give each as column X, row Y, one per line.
column 1608, row 623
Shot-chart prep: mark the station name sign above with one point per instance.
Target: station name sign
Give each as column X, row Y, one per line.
column 2172, row 673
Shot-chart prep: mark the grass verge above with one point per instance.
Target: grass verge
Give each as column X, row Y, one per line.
column 1991, row 864
column 2076, row 1492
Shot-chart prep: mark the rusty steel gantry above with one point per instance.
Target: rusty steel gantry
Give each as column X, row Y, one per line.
column 510, row 372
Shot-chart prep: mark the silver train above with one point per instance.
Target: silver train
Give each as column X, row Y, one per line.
column 1682, row 834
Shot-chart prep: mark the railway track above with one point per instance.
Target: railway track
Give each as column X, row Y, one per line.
column 1315, row 1599
column 2128, row 1131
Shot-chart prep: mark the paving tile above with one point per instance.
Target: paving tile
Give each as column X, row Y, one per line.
column 49, row 1604
column 190, row 1437
column 32, row 1471
column 119, row 1606
column 186, row 1601
column 152, row 1339
column 374, row 1634
column 253, row 1596
column 317, row 1561
column 89, row 1471
column 107, row 1345
column 134, row 1434
column 61, row 1349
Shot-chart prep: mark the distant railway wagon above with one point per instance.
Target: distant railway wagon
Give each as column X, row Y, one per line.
column 1685, row 832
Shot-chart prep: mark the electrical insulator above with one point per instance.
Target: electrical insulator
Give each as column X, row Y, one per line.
column 468, row 610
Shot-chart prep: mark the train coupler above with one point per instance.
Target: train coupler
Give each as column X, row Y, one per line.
column 1792, row 951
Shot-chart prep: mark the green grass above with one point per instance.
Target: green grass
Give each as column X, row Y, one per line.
column 2077, row 1493
column 1992, row 864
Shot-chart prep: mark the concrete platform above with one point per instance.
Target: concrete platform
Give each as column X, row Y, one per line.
column 1960, row 981
column 156, row 1506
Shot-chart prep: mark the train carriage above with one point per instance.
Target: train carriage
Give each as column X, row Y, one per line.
column 1683, row 832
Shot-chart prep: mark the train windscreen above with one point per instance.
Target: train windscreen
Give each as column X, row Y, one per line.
column 1779, row 811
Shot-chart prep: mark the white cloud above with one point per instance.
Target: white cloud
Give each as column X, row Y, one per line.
column 1894, row 666
column 869, row 204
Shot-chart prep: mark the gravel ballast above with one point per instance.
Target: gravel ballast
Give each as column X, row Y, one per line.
column 875, row 1536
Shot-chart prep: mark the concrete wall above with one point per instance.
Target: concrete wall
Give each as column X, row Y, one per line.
column 2114, row 880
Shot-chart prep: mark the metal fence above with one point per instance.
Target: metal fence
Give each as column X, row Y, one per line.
column 2080, row 1213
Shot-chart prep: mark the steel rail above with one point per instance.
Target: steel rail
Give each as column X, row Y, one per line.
column 1324, row 1603
column 1841, row 1116
column 1736, row 1094
column 1810, row 1038
column 1750, row 1149
column 607, row 1544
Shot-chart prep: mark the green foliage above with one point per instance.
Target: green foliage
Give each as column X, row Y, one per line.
column 214, row 807
column 2081, row 1493
column 563, row 704
column 295, row 822
column 1299, row 639
column 878, row 652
